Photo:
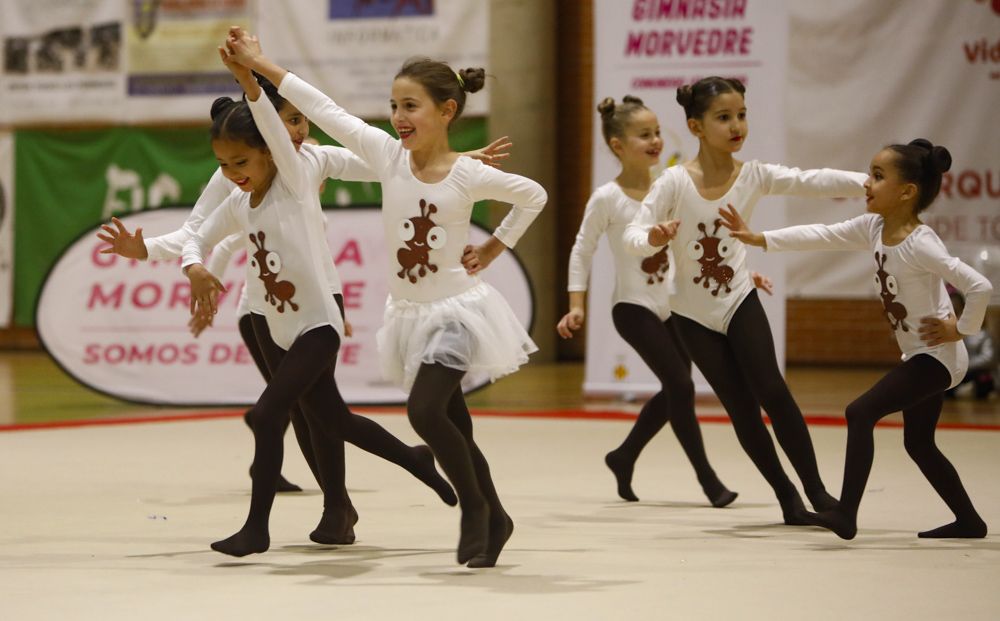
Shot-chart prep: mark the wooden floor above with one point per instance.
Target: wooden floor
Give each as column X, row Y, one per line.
column 112, row 522
column 34, row 390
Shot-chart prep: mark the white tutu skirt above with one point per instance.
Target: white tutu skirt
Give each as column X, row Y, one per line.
column 475, row 331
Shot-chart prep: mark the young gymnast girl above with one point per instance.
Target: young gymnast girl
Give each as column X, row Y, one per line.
column 340, row 164
column 912, row 266
column 716, row 310
column 440, row 322
column 277, row 207
column 641, row 311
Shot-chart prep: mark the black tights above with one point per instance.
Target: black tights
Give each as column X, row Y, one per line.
column 294, row 415
column 304, row 375
column 916, row 388
column 660, row 347
column 437, row 410
column 362, row 432
column 742, row 369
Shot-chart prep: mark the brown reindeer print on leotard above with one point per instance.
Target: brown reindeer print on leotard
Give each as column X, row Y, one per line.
column 894, row 311
column 656, row 266
column 710, row 251
column 421, row 235
column 268, row 264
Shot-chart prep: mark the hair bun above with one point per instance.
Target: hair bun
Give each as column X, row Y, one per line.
column 941, row 159
column 684, row 95
column 938, row 157
column 607, row 107
column 472, row 79
column 220, row 105
column 632, row 99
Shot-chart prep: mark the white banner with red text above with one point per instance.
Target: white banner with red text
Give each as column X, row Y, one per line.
column 648, row 48
column 120, row 326
column 866, row 74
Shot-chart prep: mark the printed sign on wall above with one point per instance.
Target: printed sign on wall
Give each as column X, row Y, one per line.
column 649, row 49
column 120, row 326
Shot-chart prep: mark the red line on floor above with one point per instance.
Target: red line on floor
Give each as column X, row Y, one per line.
column 821, row 420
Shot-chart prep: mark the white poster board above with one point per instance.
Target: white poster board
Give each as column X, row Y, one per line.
column 120, row 326
column 648, row 49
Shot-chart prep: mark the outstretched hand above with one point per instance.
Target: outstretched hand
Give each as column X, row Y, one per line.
column 934, row 331
column 494, row 153
column 733, row 221
column 662, row 233
column 123, row 243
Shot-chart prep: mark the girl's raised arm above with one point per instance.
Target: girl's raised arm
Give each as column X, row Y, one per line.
column 370, row 143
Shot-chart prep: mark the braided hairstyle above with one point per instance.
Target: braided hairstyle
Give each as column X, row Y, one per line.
column 922, row 163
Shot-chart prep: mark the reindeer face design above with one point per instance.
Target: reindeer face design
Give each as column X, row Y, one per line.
column 888, row 289
column 710, row 251
column 267, row 263
column 656, row 266
column 421, row 235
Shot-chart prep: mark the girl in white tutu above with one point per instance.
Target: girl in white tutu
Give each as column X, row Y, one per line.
column 441, row 322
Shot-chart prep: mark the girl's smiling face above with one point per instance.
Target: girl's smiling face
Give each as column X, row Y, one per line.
column 248, row 167
column 641, row 143
column 416, row 117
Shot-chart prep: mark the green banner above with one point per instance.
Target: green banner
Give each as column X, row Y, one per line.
column 68, row 181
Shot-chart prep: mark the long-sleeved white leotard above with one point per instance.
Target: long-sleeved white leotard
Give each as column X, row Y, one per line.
column 712, row 278
column 338, row 162
column 910, row 280
column 426, row 224
column 645, row 281
column 436, row 312
column 287, row 270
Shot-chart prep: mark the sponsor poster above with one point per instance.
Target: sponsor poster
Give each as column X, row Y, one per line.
column 120, row 326
column 648, row 48
column 62, row 60
column 351, row 50
column 929, row 70
column 174, row 70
